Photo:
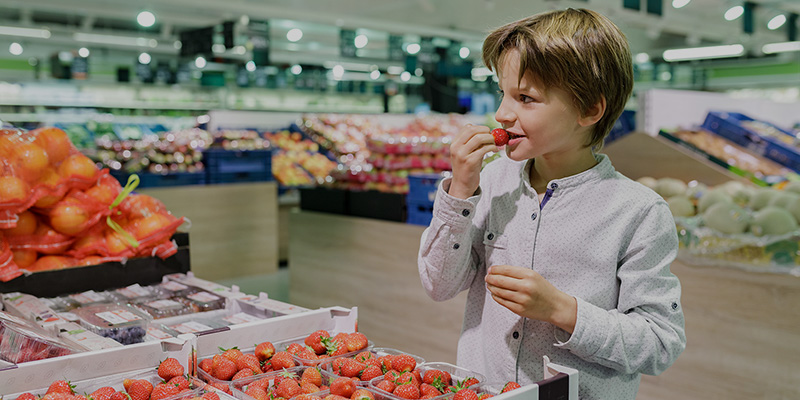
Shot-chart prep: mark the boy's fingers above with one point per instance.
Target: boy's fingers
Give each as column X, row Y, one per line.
column 509, row 270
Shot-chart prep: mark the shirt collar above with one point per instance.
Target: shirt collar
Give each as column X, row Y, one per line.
column 603, row 169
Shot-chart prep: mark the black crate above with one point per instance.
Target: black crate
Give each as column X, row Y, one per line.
column 228, row 166
column 323, row 199
column 378, row 205
column 144, row 271
column 149, row 180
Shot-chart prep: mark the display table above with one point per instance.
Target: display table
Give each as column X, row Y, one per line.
column 234, row 229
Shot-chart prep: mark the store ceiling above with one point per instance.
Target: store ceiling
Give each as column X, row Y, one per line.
column 700, row 22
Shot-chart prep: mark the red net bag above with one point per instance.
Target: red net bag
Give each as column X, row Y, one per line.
column 44, row 239
column 48, row 263
column 8, row 268
column 37, row 168
column 76, row 213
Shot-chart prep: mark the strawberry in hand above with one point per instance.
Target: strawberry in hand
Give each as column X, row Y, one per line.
column 500, row 137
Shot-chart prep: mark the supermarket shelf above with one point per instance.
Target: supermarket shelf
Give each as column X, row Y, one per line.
column 79, row 118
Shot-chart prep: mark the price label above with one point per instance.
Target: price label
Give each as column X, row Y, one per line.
column 203, row 297
column 191, row 327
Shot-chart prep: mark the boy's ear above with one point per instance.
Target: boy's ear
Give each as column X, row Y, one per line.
column 594, row 113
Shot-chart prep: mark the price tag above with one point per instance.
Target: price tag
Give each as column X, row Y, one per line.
column 162, row 305
column 87, row 297
column 174, row 286
column 203, row 297
column 191, row 327
column 157, row 334
column 118, row 316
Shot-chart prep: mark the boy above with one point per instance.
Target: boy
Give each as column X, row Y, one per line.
column 562, row 255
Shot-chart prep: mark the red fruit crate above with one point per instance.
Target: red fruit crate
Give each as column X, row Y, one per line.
column 376, row 352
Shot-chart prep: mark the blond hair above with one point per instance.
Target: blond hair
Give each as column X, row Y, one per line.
column 576, row 50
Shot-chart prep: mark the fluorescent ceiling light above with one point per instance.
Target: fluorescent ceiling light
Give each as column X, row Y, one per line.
column 294, row 35
column 395, row 70
column 700, row 53
column 642, row 58
column 418, row 72
column 679, row 3
column 405, row 76
column 296, row 69
column 463, row 52
column 15, row 49
column 734, row 12
column 83, row 52
column 200, row 62
column 782, row 47
column 144, row 58
column 146, row 19
column 25, row 32
column 361, row 41
column 776, row 22
column 413, row 48
column 250, row 66
column 481, row 71
column 115, row 40
column 338, row 72
column 375, row 74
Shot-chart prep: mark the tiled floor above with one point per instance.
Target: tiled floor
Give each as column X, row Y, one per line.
column 275, row 284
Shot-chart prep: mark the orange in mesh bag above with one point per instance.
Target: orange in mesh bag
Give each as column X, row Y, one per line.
column 8, row 268
column 35, row 234
column 38, row 168
column 47, row 263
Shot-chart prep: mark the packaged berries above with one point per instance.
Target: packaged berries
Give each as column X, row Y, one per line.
column 21, row 341
column 120, row 322
column 202, row 301
column 165, row 308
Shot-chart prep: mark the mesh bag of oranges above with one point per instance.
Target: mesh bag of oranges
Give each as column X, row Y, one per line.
column 58, row 210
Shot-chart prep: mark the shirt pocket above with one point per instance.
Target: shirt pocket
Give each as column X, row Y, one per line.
column 496, row 247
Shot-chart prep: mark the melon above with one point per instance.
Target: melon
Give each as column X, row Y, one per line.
column 727, row 218
column 697, row 190
column 761, row 198
column 772, row 220
column 783, row 199
column 794, row 209
column 681, row 206
column 668, row 187
column 648, row 181
column 793, row 187
column 712, row 197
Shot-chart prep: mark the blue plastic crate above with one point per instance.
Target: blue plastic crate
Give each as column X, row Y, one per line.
column 422, row 188
column 625, row 124
column 419, row 214
column 239, row 177
column 235, row 161
column 148, row 180
column 729, row 126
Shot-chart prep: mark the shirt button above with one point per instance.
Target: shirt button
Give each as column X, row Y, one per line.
column 554, row 185
column 533, row 216
column 674, row 306
column 465, row 212
column 491, row 236
column 456, row 246
column 515, row 335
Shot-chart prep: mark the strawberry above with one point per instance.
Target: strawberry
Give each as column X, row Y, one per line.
column 163, row 390
column 417, row 376
column 243, row 373
column 138, row 389
column 351, row 368
column 469, row 382
column 294, row 348
column 336, row 365
column 391, row 376
column 262, row 383
column 232, row 354
column 307, row 397
column 425, row 389
column 61, row 386
column 104, row 393
column 26, row 396
column 210, row 396
column 407, row 377
column 362, row 394
column 465, row 394
column 403, row 363
column 387, row 386
column 249, row 361
column 336, row 346
column 312, row 375
column 447, row 378
column 372, row 371
column 287, row 389
column 364, row 356
column 59, row 396
column 205, row 365
column 180, row 382
column 222, row 368
column 120, row 396
column 314, row 341
column 510, row 386
column 221, row 386
column 264, row 351
column 257, row 393
column 169, row 369
column 485, row 396
column 308, row 387
column 343, row 387
column 334, row 397
column 386, row 362
column 500, row 137
column 282, row 360
column 306, row 354
column 431, row 375
column 407, row 391
column 356, row 341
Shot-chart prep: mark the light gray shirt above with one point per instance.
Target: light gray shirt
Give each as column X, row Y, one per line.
column 598, row 236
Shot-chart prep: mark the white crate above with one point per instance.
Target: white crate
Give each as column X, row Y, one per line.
column 554, row 375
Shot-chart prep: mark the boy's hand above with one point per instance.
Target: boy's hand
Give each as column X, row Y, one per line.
column 528, row 294
column 466, row 154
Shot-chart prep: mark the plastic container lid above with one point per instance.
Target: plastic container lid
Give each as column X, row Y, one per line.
column 120, row 322
column 133, row 294
column 203, row 301
column 172, row 289
column 86, row 298
column 22, row 341
column 165, row 308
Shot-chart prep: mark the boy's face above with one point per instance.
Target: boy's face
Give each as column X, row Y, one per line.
column 544, row 121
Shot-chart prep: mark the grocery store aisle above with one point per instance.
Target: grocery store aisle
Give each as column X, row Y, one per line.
column 275, row 284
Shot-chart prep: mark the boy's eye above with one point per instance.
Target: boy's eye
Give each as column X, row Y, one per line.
column 525, row 99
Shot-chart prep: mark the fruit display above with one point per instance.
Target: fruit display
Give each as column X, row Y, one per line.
column 22, row 341
column 202, row 301
column 735, row 223
column 166, row 152
column 297, row 161
column 429, row 380
column 239, row 140
column 370, row 364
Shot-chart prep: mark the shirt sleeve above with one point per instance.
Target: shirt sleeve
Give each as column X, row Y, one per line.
column 447, row 262
column 645, row 334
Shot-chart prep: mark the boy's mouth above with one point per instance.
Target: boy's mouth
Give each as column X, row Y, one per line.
column 512, row 135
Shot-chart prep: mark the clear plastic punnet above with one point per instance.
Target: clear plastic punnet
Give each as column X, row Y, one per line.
column 22, row 341
column 376, row 352
column 133, row 294
column 457, row 374
column 165, row 308
column 86, row 298
column 171, row 289
column 203, row 301
column 120, row 322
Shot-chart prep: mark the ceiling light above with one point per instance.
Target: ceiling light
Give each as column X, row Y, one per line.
column 481, row 71
column 144, row 58
column 250, row 66
column 463, row 52
column 200, row 62
column 782, row 47
column 83, row 52
column 395, row 70
column 642, row 58
column 405, row 76
column 25, row 32
column 296, row 69
column 294, row 35
column 776, row 22
column 239, row 49
column 734, row 12
column 146, row 19
column 15, row 49
column 244, row 20
column 418, row 72
column 412, row 48
column 375, row 74
column 338, row 72
column 361, row 41
column 698, row 53
column 680, row 3
column 218, row 48
column 177, row 44
column 665, row 75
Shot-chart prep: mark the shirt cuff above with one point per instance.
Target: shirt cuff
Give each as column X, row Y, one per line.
column 589, row 334
column 457, row 213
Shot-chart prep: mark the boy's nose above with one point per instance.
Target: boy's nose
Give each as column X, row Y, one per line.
column 504, row 114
